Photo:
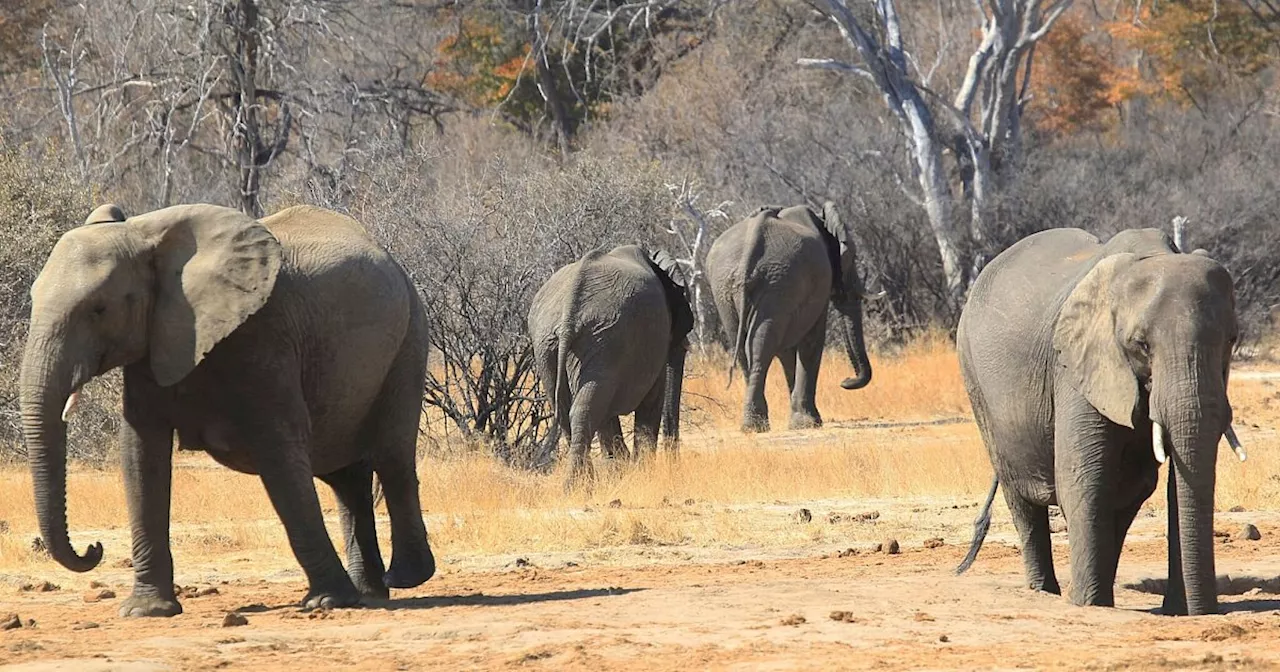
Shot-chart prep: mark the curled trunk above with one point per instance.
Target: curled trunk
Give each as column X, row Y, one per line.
column 46, row 384
column 854, row 344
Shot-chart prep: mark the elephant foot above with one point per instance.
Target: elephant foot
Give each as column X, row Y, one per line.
column 331, row 598
column 369, row 588
column 755, row 424
column 805, row 421
column 141, row 606
column 413, row 572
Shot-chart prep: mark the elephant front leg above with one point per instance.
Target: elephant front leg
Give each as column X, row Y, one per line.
column 146, row 452
column 1087, row 451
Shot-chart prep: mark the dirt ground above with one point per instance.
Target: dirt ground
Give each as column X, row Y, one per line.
column 673, row 608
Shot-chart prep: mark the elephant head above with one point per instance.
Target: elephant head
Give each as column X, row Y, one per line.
column 163, row 287
column 847, row 289
column 676, row 287
column 1147, row 341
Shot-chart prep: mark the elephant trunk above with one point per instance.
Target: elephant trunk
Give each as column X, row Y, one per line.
column 46, row 385
column 854, row 344
column 671, row 399
column 1195, row 420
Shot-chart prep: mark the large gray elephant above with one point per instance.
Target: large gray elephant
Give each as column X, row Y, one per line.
column 288, row 347
column 609, row 333
column 772, row 275
column 1087, row 365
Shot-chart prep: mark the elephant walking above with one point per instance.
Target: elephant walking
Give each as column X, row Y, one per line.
column 772, row 276
column 609, row 334
column 289, row 347
column 1087, row 365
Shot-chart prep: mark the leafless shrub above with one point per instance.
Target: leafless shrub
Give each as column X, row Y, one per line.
column 479, row 233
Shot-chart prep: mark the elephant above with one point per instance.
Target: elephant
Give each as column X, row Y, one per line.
column 1089, row 364
column 609, row 337
column 291, row 347
column 772, row 275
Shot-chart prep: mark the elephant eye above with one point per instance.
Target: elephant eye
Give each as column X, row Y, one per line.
column 1142, row 346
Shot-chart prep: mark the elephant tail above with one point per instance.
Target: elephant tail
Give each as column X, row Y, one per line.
column 746, row 313
column 980, row 526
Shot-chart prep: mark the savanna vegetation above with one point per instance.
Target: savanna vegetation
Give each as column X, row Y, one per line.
column 487, row 143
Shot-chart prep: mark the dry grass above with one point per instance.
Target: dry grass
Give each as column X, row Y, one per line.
column 724, row 489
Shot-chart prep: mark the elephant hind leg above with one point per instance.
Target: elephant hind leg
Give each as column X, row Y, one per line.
column 353, row 486
column 586, row 417
column 804, row 405
column 649, row 419
column 612, row 445
column 391, row 436
column 1032, row 523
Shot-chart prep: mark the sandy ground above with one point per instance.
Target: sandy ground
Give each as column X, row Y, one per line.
column 674, row 608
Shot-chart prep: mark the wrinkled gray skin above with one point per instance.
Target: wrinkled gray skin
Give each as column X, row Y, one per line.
column 288, row 347
column 772, row 276
column 1070, row 349
column 608, row 333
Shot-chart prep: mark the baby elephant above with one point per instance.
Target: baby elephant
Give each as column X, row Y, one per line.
column 609, row 334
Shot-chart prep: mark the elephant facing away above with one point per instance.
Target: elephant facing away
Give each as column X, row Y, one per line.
column 609, row 333
column 289, row 347
column 1087, row 365
column 772, row 276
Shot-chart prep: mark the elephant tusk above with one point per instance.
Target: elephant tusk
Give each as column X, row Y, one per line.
column 1234, row 442
column 1157, row 442
column 875, row 297
column 71, row 405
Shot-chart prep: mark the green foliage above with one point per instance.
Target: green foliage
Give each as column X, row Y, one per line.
column 40, row 199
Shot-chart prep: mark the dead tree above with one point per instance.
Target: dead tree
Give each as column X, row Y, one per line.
column 983, row 115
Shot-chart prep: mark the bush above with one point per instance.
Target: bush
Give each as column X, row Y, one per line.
column 479, row 233
column 40, row 199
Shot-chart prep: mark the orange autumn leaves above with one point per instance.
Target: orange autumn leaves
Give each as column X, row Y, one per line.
column 1088, row 66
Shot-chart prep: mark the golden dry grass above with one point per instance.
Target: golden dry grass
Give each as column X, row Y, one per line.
column 724, row 489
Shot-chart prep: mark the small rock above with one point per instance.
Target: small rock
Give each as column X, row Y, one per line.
column 125, row 563
column 87, row 625
column 890, row 547
column 522, row 562
column 934, row 542
column 1236, row 509
column 866, row 516
column 30, row 623
column 944, row 639
column 1221, row 533
column 847, row 553
column 793, row 619
column 232, row 619
column 1250, row 532
column 4, row 527
column 41, row 587
column 97, row 584
column 10, row 622
column 835, row 517
column 690, row 502
column 803, row 516
column 923, row 617
column 665, row 501
column 615, row 504
column 99, row 595
column 843, row 616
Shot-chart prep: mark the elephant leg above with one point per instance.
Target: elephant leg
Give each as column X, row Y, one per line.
column 612, row 445
column 393, row 445
column 1032, row 523
column 755, row 412
column 586, row 416
column 1087, row 470
column 649, row 419
column 804, row 407
column 146, row 452
column 353, row 486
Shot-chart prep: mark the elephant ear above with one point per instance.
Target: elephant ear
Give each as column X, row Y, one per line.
column 105, row 214
column 214, row 268
column 675, row 285
column 1085, row 338
column 834, row 225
